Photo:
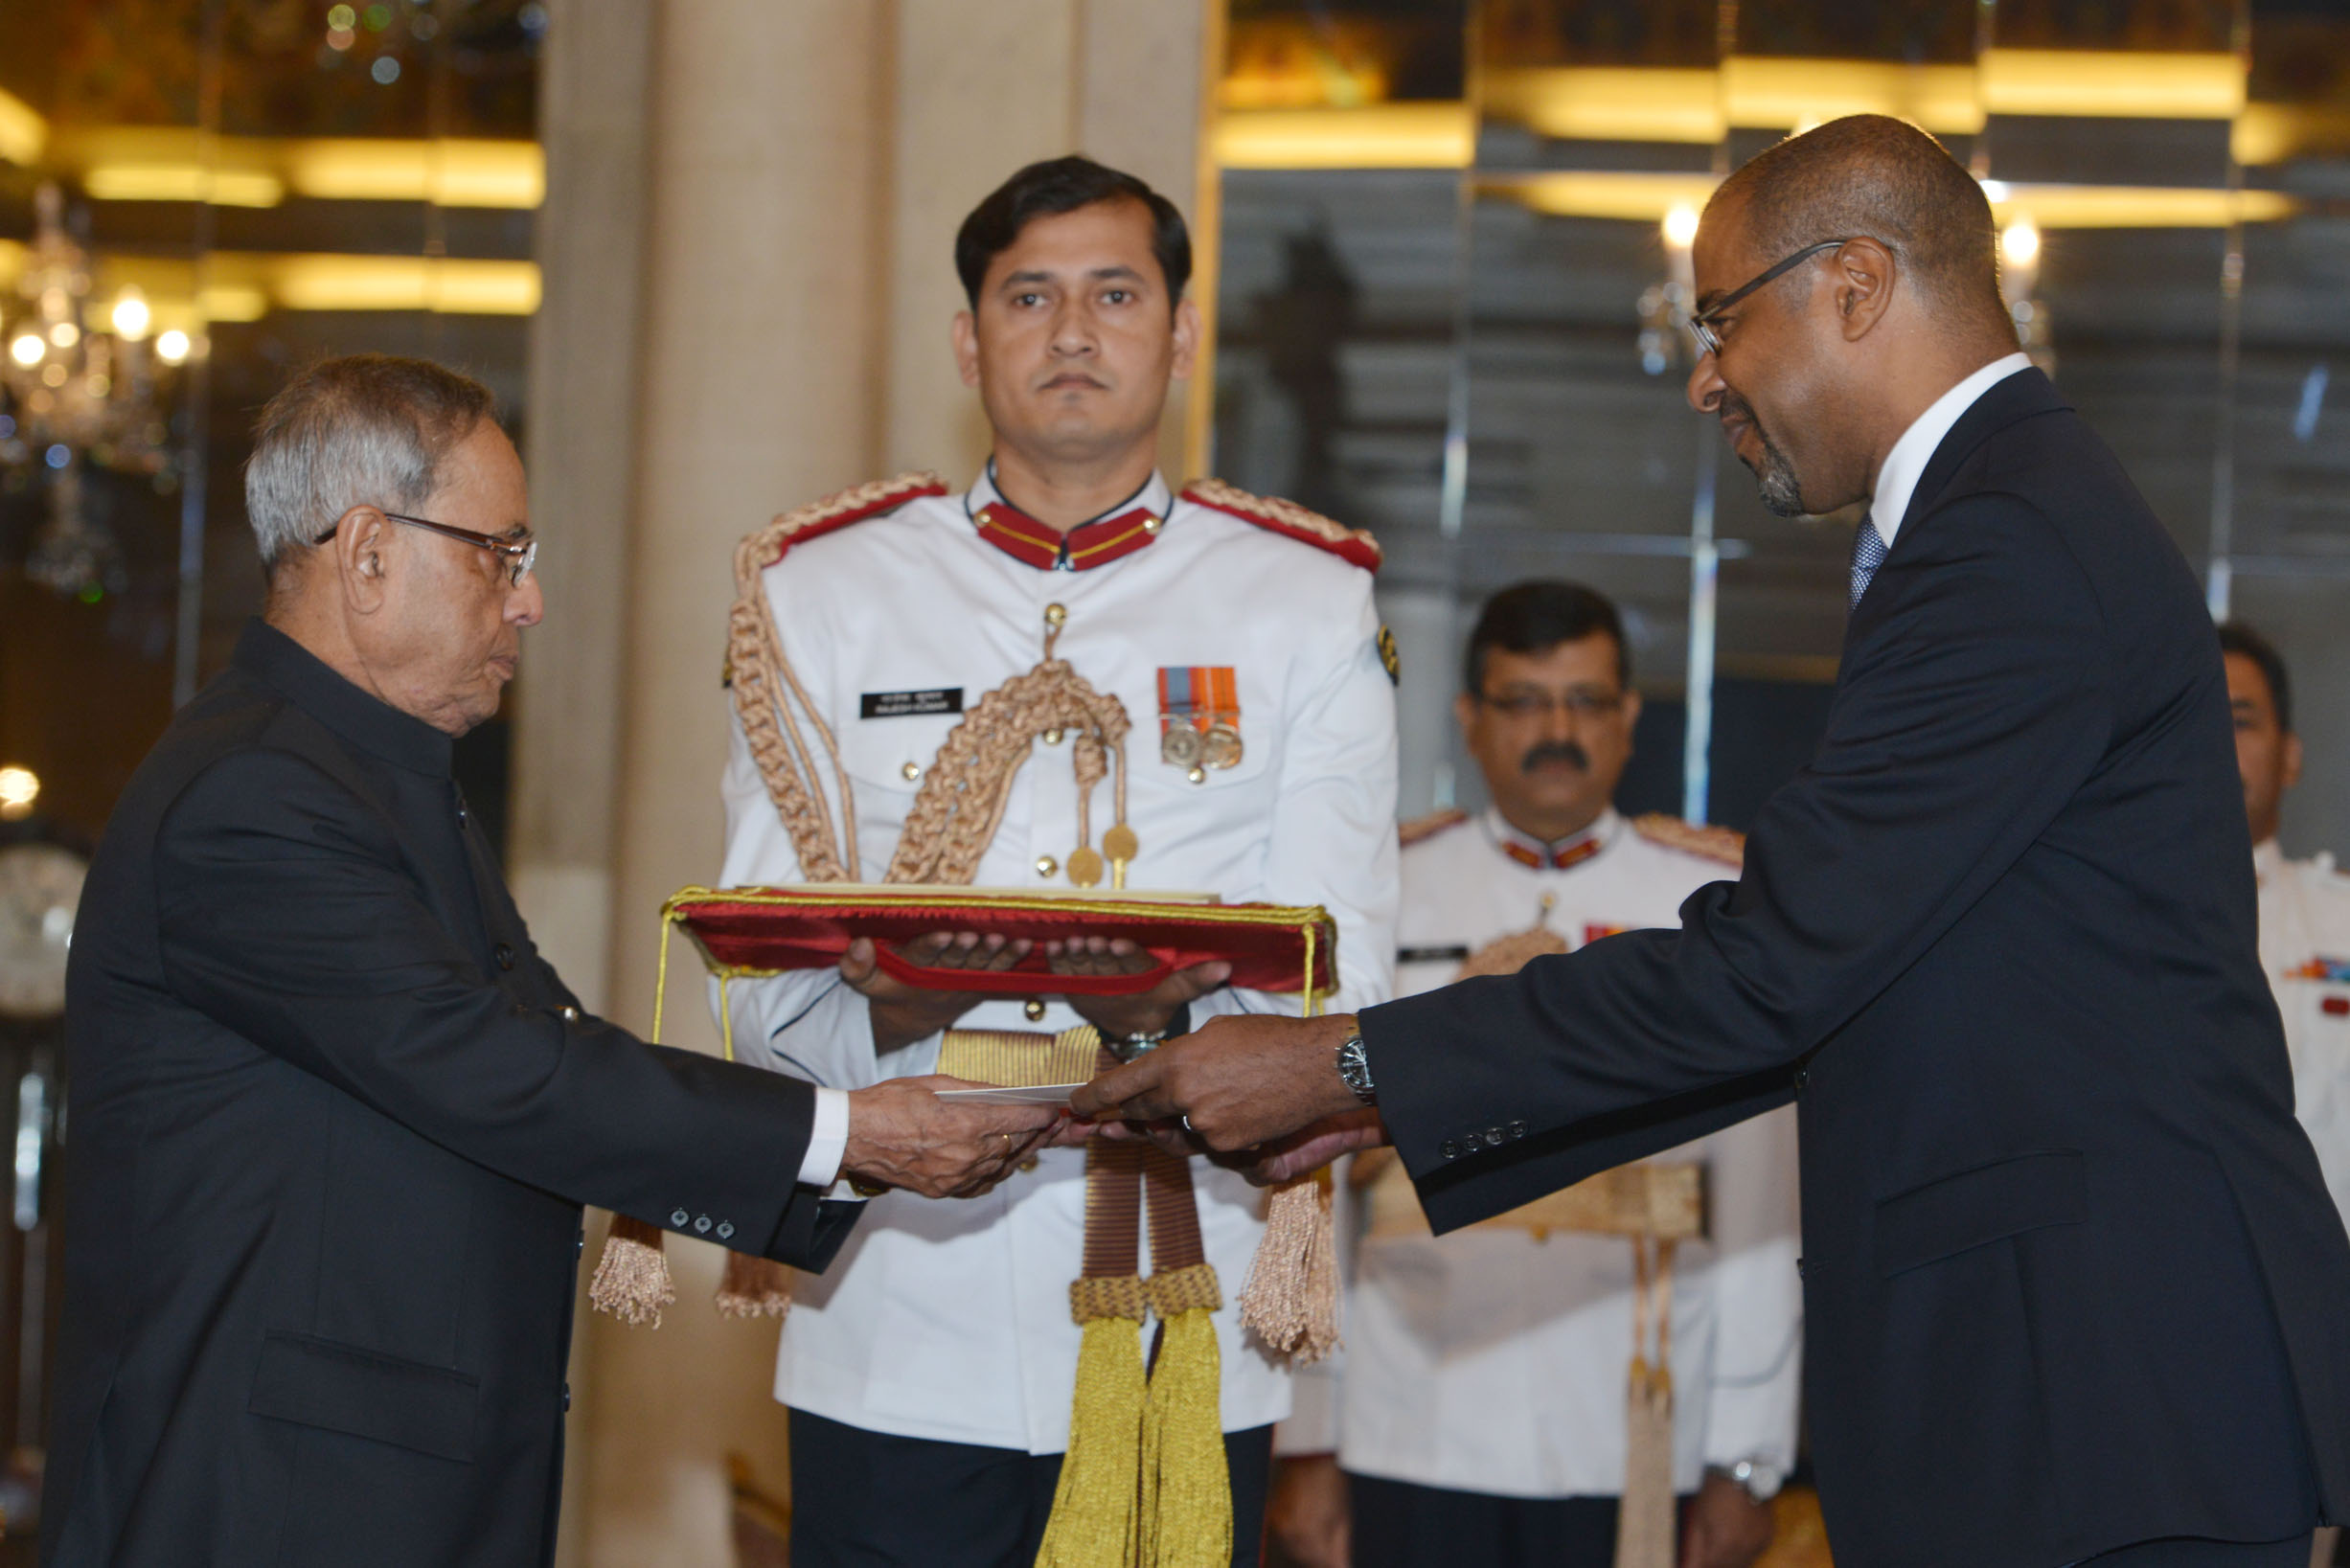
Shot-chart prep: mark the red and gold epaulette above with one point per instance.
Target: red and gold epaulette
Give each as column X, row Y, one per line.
column 1409, row 833
column 1714, row 843
column 1349, row 544
column 855, row 505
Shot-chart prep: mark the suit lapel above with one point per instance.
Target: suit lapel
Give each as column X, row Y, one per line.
column 2022, row 396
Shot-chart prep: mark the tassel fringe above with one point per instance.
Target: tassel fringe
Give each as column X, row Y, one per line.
column 1644, row 1537
column 1291, row 1299
column 754, row 1287
column 1186, row 1487
column 1093, row 1520
column 633, row 1280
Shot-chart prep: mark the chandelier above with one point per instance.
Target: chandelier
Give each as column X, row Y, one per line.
column 73, row 397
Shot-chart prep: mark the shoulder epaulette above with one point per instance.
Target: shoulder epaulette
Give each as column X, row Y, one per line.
column 1409, row 833
column 801, row 524
column 1714, row 843
column 1352, row 545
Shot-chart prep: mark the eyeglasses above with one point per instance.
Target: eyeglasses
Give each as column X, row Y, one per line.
column 519, row 554
column 1579, row 705
column 1701, row 325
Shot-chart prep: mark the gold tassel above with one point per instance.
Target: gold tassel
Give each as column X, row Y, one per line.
column 1186, row 1485
column 1291, row 1298
column 1644, row 1534
column 754, row 1287
column 1093, row 1521
column 633, row 1280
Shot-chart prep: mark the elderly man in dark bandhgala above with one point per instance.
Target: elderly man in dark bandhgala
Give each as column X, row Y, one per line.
column 335, row 1117
column 2073, row 1286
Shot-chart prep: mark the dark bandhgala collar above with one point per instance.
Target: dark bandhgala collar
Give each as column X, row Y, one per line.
column 2026, row 395
column 373, row 725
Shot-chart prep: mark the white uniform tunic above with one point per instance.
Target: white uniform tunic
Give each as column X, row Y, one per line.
column 1489, row 1361
column 2305, row 948
column 950, row 1319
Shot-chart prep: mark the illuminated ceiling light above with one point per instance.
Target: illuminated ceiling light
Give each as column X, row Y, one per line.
column 451, row 174
column 64, row 334
column 2019, row 243
column 131, row 317
column 23, row 132
column 28, row 348
column 19, row 788
column 1681, row 225
column 1386, row 136
column 2113, row 84
column 171, row 347
column 183, row 182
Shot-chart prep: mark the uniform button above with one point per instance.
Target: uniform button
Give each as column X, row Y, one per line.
column 1518, row 1129
column 1197, row 775
column 1034, row 1007
column 1803, row 1077
column 578, row 1246
column 1052, row 736
column 1448, row 1149
column 461, row 816
column 566, row 1399
column 701, row 1224
column 1046, row 865
column 570, row 1015
column 726, row 1228
column 504, row 953
column 1494, row 1136
column 679, row 1216
column 911, row 771
column 1028, row 1164
column 1055, row 615
column 1151, row 524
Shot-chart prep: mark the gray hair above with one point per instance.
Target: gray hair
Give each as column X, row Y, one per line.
column 368, row 429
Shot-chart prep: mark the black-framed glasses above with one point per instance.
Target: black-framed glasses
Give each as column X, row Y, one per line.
column 1701, row 325
column 519, row 554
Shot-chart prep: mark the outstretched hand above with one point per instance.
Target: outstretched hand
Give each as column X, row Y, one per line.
column 1143, row 1013
column 1238, row 1080
column 901, row 1134
column 903, row 1013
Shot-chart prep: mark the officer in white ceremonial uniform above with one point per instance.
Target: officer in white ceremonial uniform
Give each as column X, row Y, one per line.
column 930, row 1371
column 1480, row 1414
column 2304, row 907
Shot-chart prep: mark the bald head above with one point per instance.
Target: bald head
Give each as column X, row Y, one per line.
column 1871, row 174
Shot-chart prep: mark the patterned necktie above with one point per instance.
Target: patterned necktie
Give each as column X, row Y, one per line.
column 1869, row 553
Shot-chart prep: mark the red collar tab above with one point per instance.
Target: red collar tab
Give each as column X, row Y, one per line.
column 1573, row 854
column 1082, row 548
column 1275, row 516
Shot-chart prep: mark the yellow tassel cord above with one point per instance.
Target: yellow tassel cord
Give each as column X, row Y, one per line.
column 1186, row 1485
column 752, row 1288
column 1093, row 1523
column 633, row 1280
column 1645, row 1530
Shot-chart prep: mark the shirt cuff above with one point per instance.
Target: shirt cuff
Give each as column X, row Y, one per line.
column 828, row 1141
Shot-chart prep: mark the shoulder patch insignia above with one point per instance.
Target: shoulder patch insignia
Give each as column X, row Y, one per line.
column 763, row 549
column 1409, row 833
column 1389, row 659
column 1719, row 843
column 1352, row 545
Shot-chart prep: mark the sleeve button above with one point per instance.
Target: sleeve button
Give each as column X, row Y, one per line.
column 678, row 1217
column 1494, row 1138
column 727, row 1229
column 701, row 1224
column 1518, row 1129
column 1448, row 1149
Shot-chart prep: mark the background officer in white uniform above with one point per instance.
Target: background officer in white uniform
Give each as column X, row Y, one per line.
column 1482, row 1412
column 2304, row 905
column 929, row 1374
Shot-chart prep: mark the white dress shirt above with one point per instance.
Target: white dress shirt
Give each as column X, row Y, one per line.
column 1489, row 1361
column 950, row 1319
column 1897, row 479
column 2305, row 948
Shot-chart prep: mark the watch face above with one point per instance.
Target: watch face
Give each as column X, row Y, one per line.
column 40, row 884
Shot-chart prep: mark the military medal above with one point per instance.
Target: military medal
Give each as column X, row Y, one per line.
column 1200, row 718
column 1180, row 744
column 1222, row 747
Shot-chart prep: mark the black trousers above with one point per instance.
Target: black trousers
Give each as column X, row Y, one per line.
column 864, row 1499
column 1401, row 1525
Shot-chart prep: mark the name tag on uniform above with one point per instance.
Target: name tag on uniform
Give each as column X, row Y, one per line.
column 1432, row 955
column 938, row 699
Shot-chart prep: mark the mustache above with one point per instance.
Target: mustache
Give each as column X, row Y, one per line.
column 1781, row 491
column 1556, row 751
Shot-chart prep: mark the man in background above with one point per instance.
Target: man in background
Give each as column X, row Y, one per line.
column 1482, row 1414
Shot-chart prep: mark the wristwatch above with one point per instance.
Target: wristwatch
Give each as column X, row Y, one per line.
column 1129, row 1047
column 1758, row 1478
column 1356, row 1069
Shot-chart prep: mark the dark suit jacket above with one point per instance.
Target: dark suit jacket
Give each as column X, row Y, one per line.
column 332, row 1123
column 2071, row 1276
